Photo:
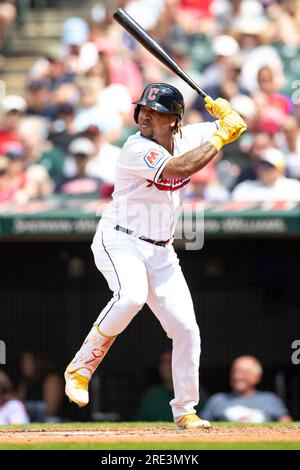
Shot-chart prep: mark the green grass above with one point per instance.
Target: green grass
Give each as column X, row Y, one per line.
column 157, row 446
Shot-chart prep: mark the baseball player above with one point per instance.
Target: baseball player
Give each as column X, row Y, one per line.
column 133, row 248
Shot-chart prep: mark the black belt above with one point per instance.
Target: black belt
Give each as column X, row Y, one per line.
column 130, row 232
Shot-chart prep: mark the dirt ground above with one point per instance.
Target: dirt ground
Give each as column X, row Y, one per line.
column 152, row 434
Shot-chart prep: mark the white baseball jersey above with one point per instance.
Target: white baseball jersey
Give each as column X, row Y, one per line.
column 139, row 272
column 143, row 201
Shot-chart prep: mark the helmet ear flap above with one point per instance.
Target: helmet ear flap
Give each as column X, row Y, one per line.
column 136, row 112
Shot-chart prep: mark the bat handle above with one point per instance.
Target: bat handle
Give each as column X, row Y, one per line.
column 198, row 90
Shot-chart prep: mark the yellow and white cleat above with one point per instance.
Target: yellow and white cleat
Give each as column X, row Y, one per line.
column 77, row 388
column 192, row 421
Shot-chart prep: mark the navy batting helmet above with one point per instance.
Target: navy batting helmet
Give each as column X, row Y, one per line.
column 161, row 97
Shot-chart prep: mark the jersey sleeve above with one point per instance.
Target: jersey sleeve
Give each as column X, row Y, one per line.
column 197, row 134
column 144, row 158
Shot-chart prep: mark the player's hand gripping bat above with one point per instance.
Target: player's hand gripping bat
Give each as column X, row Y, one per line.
column 133, row 28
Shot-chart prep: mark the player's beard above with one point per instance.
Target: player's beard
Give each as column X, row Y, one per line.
column 146, row 132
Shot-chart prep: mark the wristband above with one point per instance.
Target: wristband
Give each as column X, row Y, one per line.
column 216, row 141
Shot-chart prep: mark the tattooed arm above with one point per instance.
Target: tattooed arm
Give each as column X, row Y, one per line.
column 190, row 162
column 231, row 128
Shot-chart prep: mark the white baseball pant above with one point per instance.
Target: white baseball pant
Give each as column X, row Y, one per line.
column 139, row 272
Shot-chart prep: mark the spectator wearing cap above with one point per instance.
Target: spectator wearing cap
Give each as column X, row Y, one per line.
column 205, row 185
column 154, row 404
column 13, row 108
column 38, row 150
column 12, row 411
column 288, row 140
column 80, row 184
column 271, row 184
column 245, row 403
column 273, row 107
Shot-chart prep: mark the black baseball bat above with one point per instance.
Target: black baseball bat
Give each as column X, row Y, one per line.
column 144, row 38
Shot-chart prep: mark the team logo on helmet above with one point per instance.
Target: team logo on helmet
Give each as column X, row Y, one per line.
column 152, row 94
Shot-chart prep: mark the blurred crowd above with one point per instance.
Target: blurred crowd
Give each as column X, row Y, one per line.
column 63, row 137
column 39, row 394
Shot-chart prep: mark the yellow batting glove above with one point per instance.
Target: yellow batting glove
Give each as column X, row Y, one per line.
column 218, row 108
column 231, row 128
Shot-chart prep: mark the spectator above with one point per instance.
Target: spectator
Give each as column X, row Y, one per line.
column 7, row 17
column 205, row 185
column 224, row 48
column 250, row 31
column 13, row 108
column 21, row 183
column 180, row 53
column 80, row 183
column 155, row 403
column 227, row 11
column 122, row 69
column 273, row 107
column 285, row 19
column 289, row 143
column 57, row 73
column 78, row 53
column 271, row 184
column 103, row 164
column 38, row 150
column 12, row 411
column 260, row 143
column 38, row 97
column 221, row 79
column 246, row 107
column 245, row 403
column 62, row 130
column 40, row 387
column 236, row 163
column 90, row 112
column 90, row 80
